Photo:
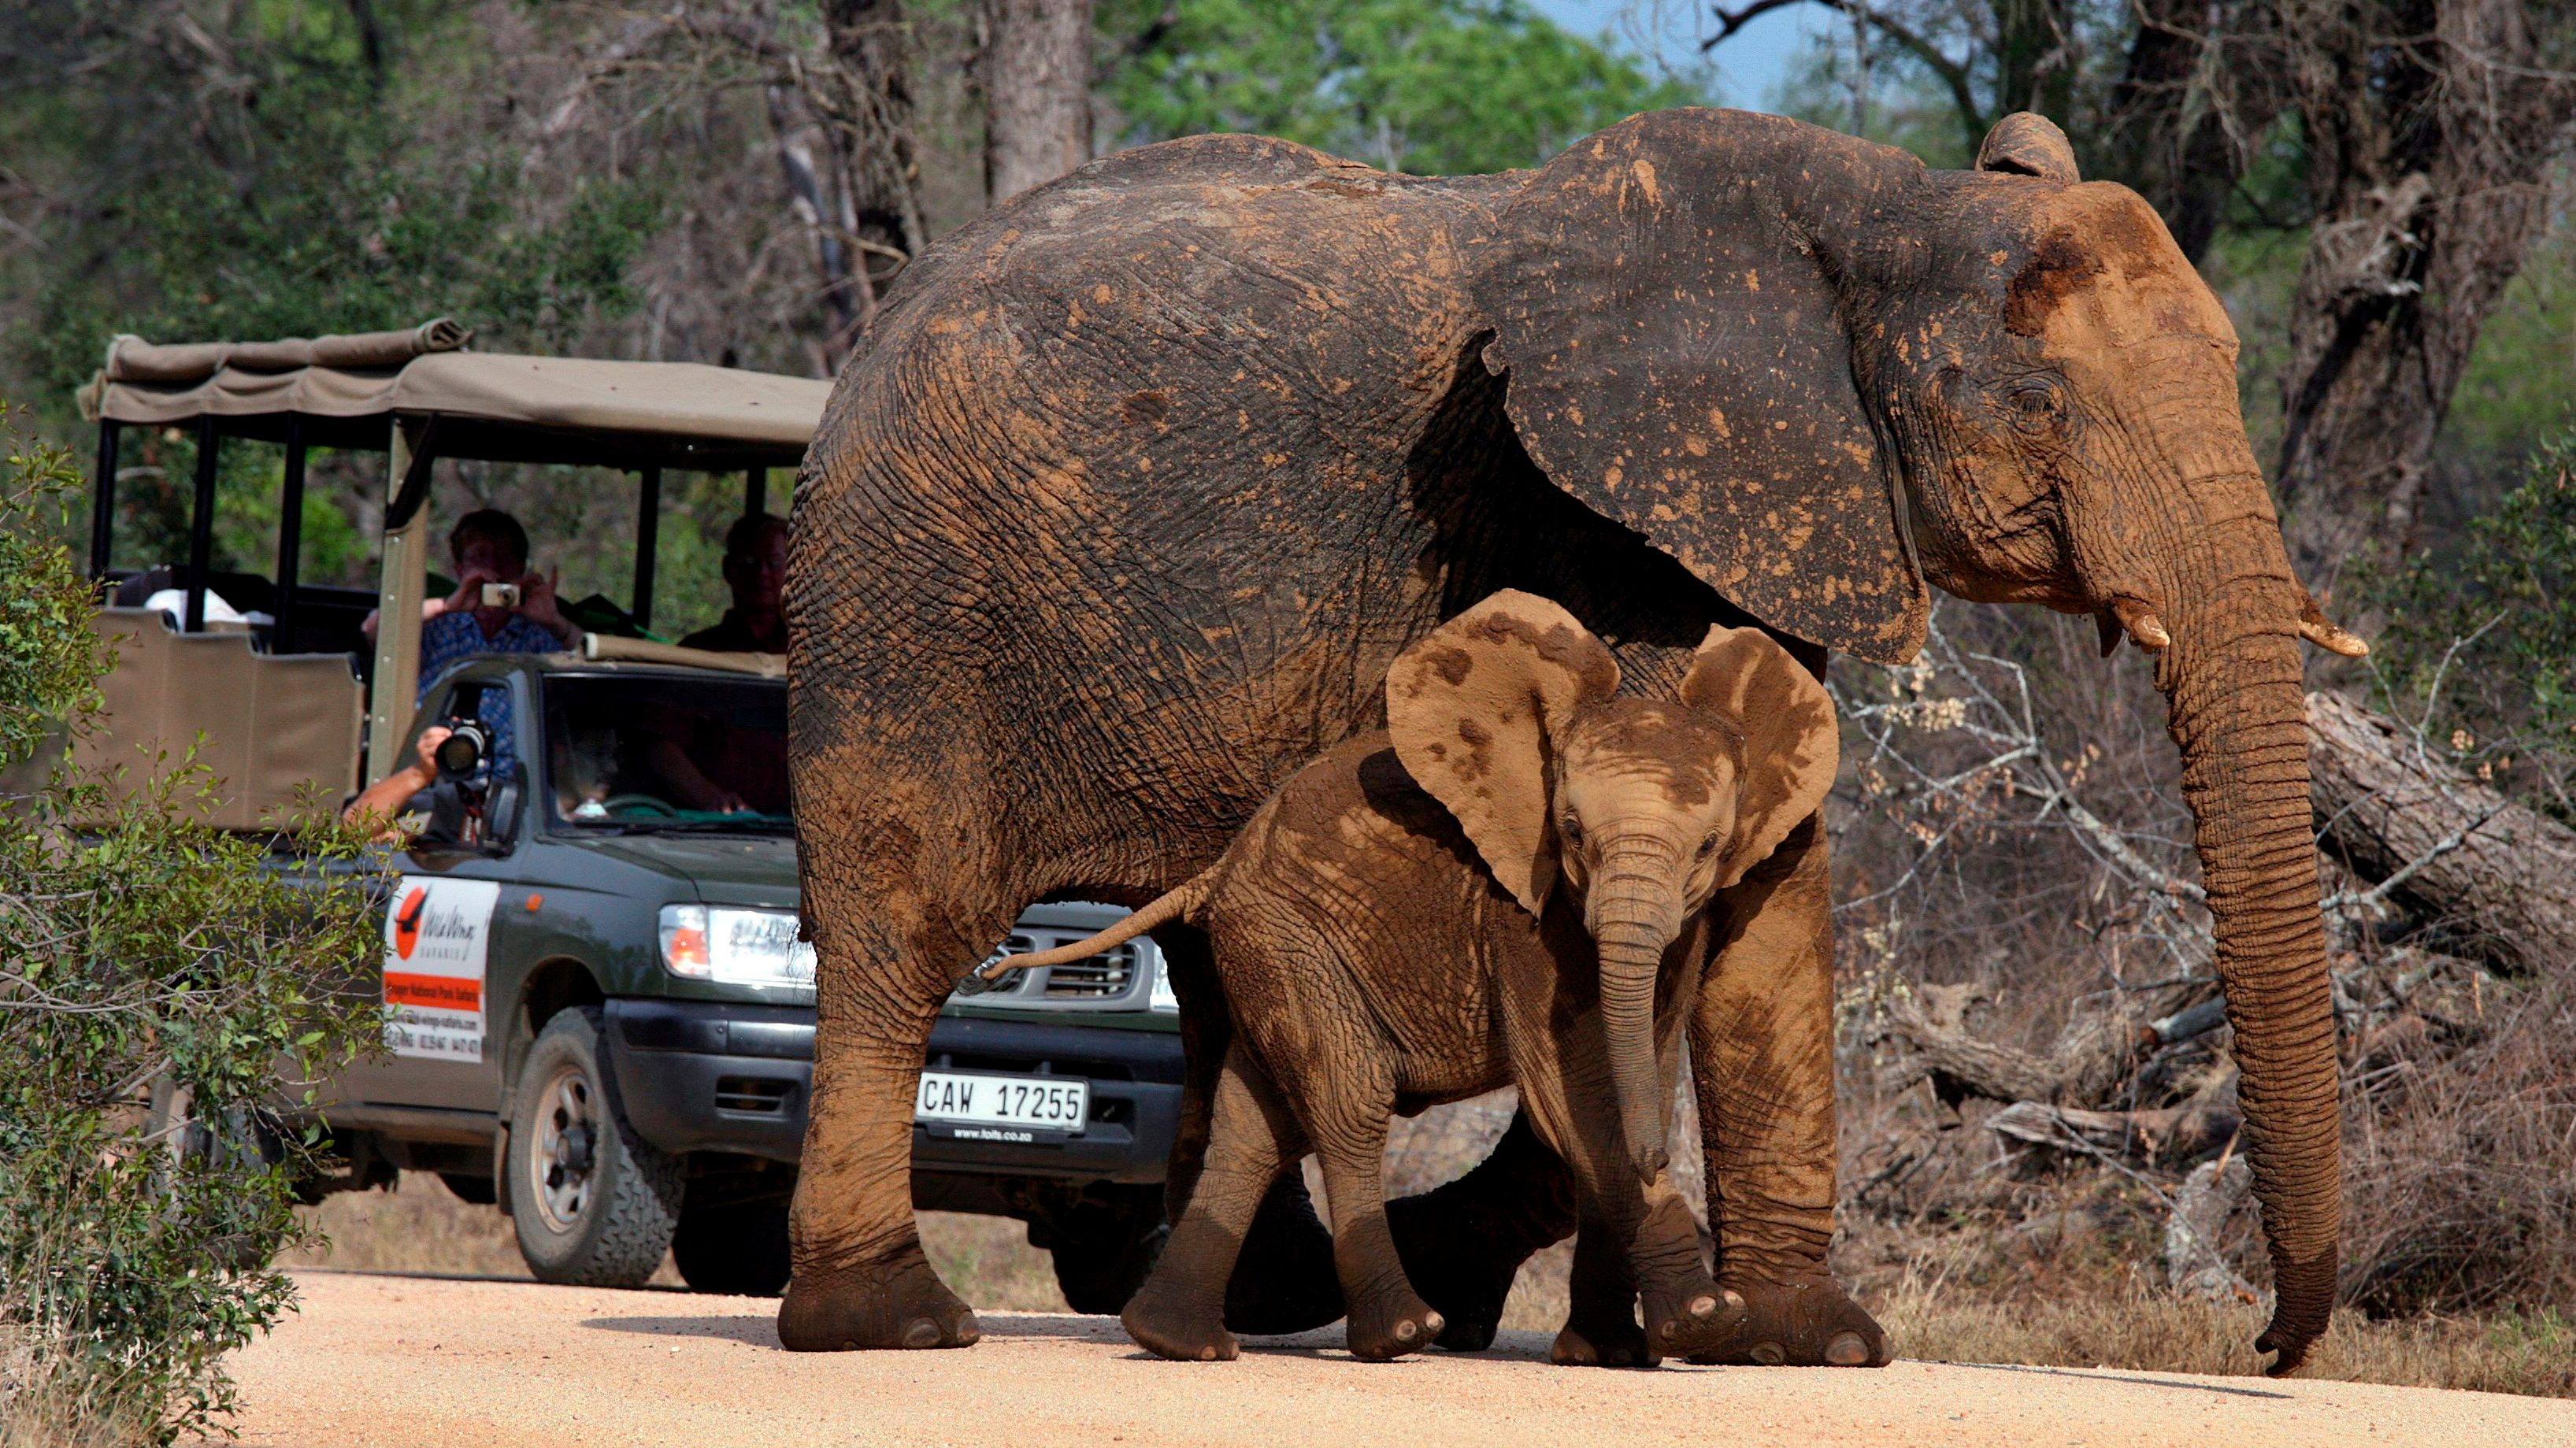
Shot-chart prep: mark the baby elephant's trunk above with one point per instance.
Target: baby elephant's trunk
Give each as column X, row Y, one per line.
column 1634, row 917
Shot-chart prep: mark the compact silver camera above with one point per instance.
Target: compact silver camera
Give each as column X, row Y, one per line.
column 500, row 595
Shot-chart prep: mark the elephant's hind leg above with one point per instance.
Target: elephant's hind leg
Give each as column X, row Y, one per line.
column 1344, row 1101
column 1180, row 1311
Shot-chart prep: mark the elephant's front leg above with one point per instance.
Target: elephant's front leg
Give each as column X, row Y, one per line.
column 1762, row 1055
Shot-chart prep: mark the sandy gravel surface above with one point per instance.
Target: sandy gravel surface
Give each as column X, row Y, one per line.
column 458, row 1364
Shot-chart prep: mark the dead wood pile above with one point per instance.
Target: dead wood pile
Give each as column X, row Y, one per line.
column 2447, row 846
column 2437, row 883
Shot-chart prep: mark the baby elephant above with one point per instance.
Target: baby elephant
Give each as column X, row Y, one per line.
column 1390, row 936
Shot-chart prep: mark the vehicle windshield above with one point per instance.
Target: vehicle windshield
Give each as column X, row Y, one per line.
column 633, row 752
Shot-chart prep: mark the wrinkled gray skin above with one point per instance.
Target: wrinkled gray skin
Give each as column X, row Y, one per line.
column 1143, row 479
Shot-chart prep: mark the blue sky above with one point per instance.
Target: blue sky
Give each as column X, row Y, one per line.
column 1749, row 65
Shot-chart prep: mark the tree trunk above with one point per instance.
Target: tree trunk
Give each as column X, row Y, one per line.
column 870, row 42
column 1037, row 92
column 2429, row 127
column 2200, row 87
column 2505, row 875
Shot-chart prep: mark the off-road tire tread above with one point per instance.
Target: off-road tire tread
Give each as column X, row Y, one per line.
column 636, row 1208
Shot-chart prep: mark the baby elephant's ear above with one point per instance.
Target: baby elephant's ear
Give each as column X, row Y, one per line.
column 1792, row 743
column 1472, row 708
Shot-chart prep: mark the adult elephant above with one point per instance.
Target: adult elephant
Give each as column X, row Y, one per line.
column 1142, row 480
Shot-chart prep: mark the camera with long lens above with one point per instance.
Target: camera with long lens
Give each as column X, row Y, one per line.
column 469, row 807
column 461, row 754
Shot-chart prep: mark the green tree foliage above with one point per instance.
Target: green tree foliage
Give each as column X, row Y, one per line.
column 1431, row 87
column 48, row 668
column 2484, row 632
column 154, row 975
column 323, row 181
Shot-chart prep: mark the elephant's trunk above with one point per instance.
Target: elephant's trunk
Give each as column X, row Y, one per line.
column 2232, row 682
column 1634, row 911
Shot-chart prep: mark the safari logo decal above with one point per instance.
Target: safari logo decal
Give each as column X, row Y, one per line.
column 438, row 936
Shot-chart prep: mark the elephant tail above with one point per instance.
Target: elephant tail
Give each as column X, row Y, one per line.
column 1180, row 903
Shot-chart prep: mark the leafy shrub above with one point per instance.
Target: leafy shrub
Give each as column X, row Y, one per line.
column 158, row 980
column 2484, row 632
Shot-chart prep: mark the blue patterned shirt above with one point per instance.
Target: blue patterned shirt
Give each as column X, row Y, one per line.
column 452, row 638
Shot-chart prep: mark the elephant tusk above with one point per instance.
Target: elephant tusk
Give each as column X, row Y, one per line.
column 2317, row 629
column 2144, row 629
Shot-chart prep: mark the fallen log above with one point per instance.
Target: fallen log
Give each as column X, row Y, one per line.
column 2439, row 842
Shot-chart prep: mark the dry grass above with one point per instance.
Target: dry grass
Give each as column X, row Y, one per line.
column 2154, row 1331
column 45, row 1404
column 420, row 1226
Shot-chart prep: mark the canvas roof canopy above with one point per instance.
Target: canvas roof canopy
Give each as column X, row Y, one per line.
column 346, row 390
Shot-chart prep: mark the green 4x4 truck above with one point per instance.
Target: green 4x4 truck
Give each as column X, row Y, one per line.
column 600, row 1016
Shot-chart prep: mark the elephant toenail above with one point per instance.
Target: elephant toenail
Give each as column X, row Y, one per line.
column 1703, row 1306
column 1734, row 1299
column 1433, row 1322
column 1847, row 1350
column 921, row 1332
column 849, row 1344
column 1406, row 1332
column 1207, row 1354
column 1768, row 1354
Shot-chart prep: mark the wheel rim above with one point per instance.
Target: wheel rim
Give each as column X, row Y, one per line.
column 563, row 1152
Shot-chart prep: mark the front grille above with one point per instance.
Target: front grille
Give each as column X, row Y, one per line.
column 1095, row 978
column 752, row 1095
column 1113, row 979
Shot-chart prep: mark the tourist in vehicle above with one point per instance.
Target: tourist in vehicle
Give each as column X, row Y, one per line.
column 489, row 547
column 755, row 568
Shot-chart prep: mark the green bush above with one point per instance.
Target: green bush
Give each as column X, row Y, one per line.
column 2484, row 632
column 164, row 990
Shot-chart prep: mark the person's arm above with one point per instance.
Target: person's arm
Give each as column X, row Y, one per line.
column 379, row 801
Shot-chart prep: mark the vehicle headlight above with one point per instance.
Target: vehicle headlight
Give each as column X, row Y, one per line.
column 1163, row 1000
column 737, row 947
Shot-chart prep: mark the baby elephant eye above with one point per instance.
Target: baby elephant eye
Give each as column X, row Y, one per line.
column 1708, row 847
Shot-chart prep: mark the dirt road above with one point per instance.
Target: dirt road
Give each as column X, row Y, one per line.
column 459, row 1364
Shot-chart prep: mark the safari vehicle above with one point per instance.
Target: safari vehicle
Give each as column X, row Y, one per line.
column 600, row 1016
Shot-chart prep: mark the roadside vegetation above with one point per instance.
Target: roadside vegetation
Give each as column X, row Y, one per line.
column 154, row 973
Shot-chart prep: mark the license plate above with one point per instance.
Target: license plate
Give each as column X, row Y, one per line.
column 1017, row 1103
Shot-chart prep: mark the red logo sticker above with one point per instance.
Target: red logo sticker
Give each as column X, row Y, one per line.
column 407, row 922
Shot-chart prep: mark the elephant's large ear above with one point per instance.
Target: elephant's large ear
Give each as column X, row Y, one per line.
column 2027, row 143
column 1473, row 708
column 1664, row 296
column 1792, row 743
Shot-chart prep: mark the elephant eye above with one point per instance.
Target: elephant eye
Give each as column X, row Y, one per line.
column 2036, row 404
column 1572, row 829
column 1708, row 847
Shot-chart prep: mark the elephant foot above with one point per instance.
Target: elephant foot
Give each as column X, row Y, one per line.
column 1599, row 1338
column 1463, row 1272
column 1802, row 1322
column 1284, row 1279
column 1177, row 1325
column 1688, row 1318
column 1391, row 1324
column 895, row 1303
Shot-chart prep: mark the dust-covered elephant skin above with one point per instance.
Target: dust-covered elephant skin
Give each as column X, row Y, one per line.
column 1509, row 886
column 1143, row 479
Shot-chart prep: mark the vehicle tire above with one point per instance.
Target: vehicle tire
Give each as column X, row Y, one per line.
column 594, row 1204
column 1103, row 1254
column 739, row 1250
